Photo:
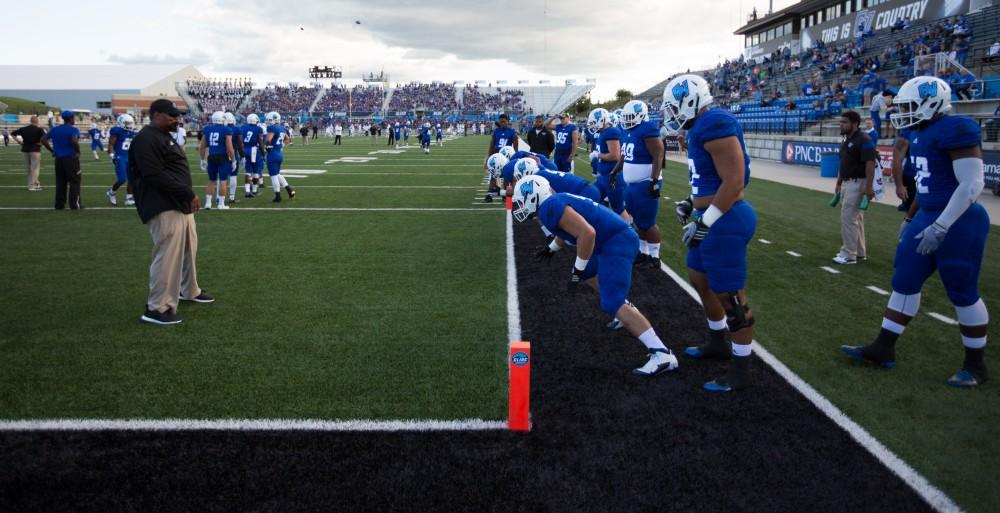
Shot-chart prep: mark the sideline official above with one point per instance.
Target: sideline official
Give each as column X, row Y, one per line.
column 161, row 180
column 855, row 184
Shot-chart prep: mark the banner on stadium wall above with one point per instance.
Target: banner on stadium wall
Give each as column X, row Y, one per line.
column 436, row 113
column 340, row 114
column 400, row 113
column 991, row 166
column 10, row 118
column 881, row 17
column 806, row 153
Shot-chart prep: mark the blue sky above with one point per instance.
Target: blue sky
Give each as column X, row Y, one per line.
column 623, row 45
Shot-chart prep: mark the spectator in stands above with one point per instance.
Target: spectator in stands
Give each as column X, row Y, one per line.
column 961, row 49
column 540, row 138
column 899, row 25
column 961, row 83
column 880, row 106
column 994, row 52
column 808, row 89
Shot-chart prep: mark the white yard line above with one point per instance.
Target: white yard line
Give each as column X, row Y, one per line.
column 829, row 269
column 276, row 209
column 881, row 292
column 930, row 493
column 943, row 318
column 764, row 241
column 250, row 425
column 794, row 254
column 513, row 306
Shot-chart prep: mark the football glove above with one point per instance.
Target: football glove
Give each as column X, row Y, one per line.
column 544, row 254
column 574, row 280
column 694, row 232
column 902, row 227
column 683, row 210
column 931, row 238
column 204, row 165
column 234, row 164
column 594, row 154
column 654, row 189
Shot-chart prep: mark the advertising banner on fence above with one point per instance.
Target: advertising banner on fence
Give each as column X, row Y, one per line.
column 991, row 165
column 806, row 153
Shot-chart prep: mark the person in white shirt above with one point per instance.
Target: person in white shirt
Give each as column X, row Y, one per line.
column 994, row 52
column 180, row 135
column 338, row 132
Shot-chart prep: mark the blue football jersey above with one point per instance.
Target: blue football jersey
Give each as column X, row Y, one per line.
column 503, row 137
column 929, row 146
column 95, row 134
column 608, row 134
column 605, row 222
column 397, row 132
column 123, row 140
column 564, row 137
column 251, row 136
column 545, row 162
column 713, row 124
column 563, row 182
column 591, row 140
column 215, row 139
column 438, row 131
column 277, row 140
column 634, row 149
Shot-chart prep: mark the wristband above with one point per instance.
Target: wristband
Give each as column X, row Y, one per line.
column 554, row 246
column 580, row 264
column 711, row 215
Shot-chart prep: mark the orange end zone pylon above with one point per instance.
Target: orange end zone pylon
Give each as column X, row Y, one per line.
column 509, row 201
column 519, row 416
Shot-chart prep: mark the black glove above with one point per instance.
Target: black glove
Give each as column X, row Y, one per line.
column 694, row 232
column 683, row 210
column 654, row 189
column 574, row 280
column 612, row 179
column 544, row 254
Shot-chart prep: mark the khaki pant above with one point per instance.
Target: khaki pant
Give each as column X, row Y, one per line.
column 32, row 160
column 852, row 219
column 172, row 273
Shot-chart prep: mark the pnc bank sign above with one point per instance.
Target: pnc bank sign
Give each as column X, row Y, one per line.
column 794, row 152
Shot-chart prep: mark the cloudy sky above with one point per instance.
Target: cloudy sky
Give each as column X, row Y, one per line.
column 629, row 47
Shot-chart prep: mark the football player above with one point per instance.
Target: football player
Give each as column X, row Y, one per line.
column 559, row 181
column 277, row 138
column 438, row 134
column 397, row 134
column 642, row 160
column 503, row 136
column 253, row 145
column 605, row 248
column 567, row 138
column 425, row 138
column 406, row 134
column 605, row 157
column 718, row 223
column 217, row 158
column 119, row 142
column 948, row 231
column 237, row 138
column 95, row 140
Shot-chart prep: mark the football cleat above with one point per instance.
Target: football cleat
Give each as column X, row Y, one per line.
column 737, row 378
column 290, row 191
column 277, row 198
column 129, row 202
column 861, row 353
column 659, row 361
column 112, row 199
column 709, row 351
column 965, row 379
column 222, row 206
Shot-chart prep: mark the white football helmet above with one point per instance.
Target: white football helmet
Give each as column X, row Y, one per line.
column 126, row 121
column 93, row 126
column 252, row 119
column 218, row 118
column 683, row 97
column 616, row 116
column 524, row 167
column 596, row 120
column 633, row 113
column 921, row 99
column 496, row 163
column 230, row 118
column 507, row 151
column 272, row 118
column 529, row 194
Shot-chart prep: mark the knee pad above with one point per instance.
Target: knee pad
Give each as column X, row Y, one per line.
column 738, row 316
column 906, row 304
column 973, row 315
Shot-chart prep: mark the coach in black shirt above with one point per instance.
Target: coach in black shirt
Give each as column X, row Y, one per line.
column 540, row 138
column 161, row 181
column 32, row 140
column 855, row 183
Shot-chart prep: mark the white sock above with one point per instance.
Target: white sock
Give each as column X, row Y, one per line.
column 276, row 183
column 651, row 341
column 221, row 200
column 208, row 201
column 892, row 326
column 284, row 183
column 741, row 350
column 654, row 249
column 232, row 187
column 643, row 247
column 717, row 325
column 246, row 188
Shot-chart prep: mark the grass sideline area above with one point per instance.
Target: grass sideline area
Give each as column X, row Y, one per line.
column 23, row 106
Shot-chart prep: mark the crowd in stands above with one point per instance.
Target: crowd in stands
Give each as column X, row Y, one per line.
column 360, row 98
column 293, row 98
column 219, row 94
column 432, row 97
column 509, row 101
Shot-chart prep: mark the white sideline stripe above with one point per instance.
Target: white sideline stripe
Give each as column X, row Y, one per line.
column 943, row 318
column 794, row 254
column 337, row 173
column 877, row 290
column 278, row 209
column 513, row 306
column 249, row 425
column 927, row 491
column 764, row 241
column 829, row 269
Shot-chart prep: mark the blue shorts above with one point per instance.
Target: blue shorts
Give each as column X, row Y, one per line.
column 613, row 268
column 253, row 162
column 219, row 169
column 590, row 192
column 274, row 163
column 957, row 260
column 96, row 144
column 616, row 198
column 121, row 169
column 641, row 205
column 563, row 161
column 439, row 137
column 722, row 256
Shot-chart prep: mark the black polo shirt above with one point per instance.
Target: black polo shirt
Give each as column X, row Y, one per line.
column 855, row 151
column 31, row 138
column 158, row 173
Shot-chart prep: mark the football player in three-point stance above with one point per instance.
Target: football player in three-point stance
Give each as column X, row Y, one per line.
column 948, row 231
column 605, row 248
column 718, row 223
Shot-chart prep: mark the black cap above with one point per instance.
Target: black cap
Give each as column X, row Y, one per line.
column 165, row 106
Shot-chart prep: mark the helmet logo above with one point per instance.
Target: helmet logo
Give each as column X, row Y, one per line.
column 527, row 188
column 680, row 90
column 928, row 89
column 637, row 108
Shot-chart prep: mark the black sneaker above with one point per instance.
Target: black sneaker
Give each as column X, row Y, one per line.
column 488, row 198
column 277, row 198
column 290, row 191
column 163, row 319
column 204, row 297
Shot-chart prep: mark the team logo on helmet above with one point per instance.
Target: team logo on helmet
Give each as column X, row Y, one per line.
column 527, row 187
column 637, row 108
column 680, row 90
column 928, row 89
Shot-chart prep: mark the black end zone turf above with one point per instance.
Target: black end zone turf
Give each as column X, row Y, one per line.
column 603, row 440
